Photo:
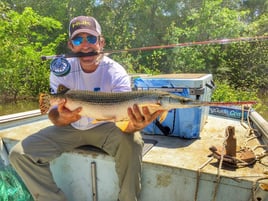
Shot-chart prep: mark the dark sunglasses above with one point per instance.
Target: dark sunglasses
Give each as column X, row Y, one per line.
column 79, row 39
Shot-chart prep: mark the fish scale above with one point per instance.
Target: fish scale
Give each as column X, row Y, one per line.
column 116, row 97
column 112, row 106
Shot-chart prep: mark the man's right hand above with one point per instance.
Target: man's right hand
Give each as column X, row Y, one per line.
column 62, row 116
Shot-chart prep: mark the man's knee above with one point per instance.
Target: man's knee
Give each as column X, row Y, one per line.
column 14, row 155
column 133, row 141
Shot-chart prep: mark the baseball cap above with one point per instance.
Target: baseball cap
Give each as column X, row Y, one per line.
column 84, row 24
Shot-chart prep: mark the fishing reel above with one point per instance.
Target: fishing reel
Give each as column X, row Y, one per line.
column 60, row 66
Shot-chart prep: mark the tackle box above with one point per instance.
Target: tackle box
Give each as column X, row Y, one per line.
column 184, row 122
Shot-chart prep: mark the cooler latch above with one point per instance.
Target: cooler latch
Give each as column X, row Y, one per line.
column 197, row 91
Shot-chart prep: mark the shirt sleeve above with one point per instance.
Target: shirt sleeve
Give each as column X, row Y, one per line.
column 122, row 84
column 120, row 80
column 54, row 83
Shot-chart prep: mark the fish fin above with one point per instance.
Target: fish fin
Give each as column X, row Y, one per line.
column 62, row 89
column 96, row 121
column 122, row 125
column 163, row 116
column 44, row 103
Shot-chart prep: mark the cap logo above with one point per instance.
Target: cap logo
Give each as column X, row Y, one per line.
column 81, row 23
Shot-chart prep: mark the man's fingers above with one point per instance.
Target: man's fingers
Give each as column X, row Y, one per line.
column 61, row 105
column 131, row 114
column 140, row 119
column 145, row 117
column 156, row 114
column 66, row 113
column 150, row 117
column 137, row 113
column 77, row 110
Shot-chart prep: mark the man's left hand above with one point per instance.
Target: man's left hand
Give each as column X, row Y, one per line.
column 140, row 119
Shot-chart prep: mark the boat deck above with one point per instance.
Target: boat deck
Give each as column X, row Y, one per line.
column 192, row 154
column 173, row 169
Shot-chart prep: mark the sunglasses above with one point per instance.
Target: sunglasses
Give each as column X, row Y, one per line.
column 76, row 41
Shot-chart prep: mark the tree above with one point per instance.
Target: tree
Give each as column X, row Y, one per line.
column 24, row 38
column 138, row 23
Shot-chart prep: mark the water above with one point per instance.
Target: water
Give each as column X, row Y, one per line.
column 20, row 106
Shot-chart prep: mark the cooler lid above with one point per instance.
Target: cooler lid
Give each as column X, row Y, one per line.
column 173, row 81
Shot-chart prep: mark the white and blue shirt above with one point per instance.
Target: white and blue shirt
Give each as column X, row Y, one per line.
column 109, row 76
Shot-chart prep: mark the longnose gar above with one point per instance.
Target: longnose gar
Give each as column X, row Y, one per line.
column 108, row 106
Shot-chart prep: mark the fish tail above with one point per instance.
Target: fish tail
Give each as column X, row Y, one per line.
column 44, row 103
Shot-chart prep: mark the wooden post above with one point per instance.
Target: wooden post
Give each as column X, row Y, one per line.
column 231, row 141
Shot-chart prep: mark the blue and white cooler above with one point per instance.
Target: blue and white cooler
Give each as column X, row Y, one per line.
column 186, row 122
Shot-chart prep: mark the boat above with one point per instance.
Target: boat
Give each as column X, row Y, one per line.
column 203, row 167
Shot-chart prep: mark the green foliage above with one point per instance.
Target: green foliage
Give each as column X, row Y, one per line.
column 245, row 65
column 225, row 92
column 26, row 35
column 202, row 25
column 24, row 38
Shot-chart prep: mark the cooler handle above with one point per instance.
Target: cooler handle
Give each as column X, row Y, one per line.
column 165, row 129
column 211, row 85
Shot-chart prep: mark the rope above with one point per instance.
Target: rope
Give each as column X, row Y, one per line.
column 247, row 126
column 240, row 163
column 198, row 176
column 261, row 155
column 254, row 187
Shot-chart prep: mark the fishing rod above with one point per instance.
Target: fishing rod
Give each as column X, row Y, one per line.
column 147, row 48
column 61, row 67
column 219, row 103
column 70, row 55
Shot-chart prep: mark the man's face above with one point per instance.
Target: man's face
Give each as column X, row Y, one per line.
column 87, row 43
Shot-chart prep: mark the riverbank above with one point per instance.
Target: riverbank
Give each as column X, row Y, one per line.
column 19, row 106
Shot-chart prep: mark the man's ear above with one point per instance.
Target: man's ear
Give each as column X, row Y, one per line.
column 70, row 45
column 102, row 41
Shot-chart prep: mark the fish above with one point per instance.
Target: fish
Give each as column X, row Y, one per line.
column 112, row 106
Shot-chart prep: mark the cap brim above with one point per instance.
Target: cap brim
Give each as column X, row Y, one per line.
column 94, row 33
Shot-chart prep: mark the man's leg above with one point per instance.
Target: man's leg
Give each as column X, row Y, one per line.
column 31, row 157
column 127, row 150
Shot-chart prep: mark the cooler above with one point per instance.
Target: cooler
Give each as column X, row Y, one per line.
column 185, row 122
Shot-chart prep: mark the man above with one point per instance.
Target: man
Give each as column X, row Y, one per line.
column 31, row 156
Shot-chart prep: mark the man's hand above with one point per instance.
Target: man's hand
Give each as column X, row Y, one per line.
column 138, row 119
column 62, row 116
